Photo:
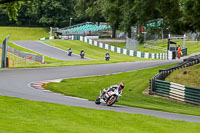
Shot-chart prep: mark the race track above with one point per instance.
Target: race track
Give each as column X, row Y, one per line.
column 16, row 83
column 47, row 50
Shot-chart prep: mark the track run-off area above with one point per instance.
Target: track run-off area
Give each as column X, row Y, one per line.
column 17, row 83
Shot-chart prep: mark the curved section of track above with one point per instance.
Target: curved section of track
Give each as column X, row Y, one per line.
column 14, row 83
column 47, row 50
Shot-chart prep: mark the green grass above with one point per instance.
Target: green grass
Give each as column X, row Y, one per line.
column 96, row 53
column 188, row 76
column 135, row 83
column 22, row 116
column 23, row 33
column 140, row 47
column 48, row 60
column 16, row 61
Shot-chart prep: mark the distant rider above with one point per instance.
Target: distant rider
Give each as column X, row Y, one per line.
column 107, row 56
column 69, row 51
column 82, row 53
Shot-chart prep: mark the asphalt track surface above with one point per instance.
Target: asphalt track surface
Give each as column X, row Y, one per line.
column 47, row 50
column 16, row 83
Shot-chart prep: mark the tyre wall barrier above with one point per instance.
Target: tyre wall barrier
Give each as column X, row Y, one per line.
column 25, row 55
column 121, row 50
column 177, row 92
column 173, row 90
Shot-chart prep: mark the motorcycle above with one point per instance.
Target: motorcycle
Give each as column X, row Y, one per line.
column 69, row 53
column 107, row 58
column 82, row 55
column 109, row 98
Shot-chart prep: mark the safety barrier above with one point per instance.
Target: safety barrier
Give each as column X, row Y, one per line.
column 177, row 92
column 25, row 55
column 121, row 50
column 173, row 90
column 163, row 56
column 48, row 38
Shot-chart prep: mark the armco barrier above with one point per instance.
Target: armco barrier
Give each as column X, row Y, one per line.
column 121, row 50
column 25, row 55
column 173, row 90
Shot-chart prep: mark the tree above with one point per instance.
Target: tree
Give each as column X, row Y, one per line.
column 56, row 13
column 111, row 11
column 10, row 1
column 89, row 10
column 171, row 14
column 191, row 14
column 12, row 7
column 128, row 16
column 52, row 12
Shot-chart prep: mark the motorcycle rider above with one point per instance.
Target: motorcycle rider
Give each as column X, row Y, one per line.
column 82, row 53
column 119, row 88
column 107, row 56
column 69, row 51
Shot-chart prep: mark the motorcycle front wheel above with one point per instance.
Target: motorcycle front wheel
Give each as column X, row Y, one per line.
column 98, row 100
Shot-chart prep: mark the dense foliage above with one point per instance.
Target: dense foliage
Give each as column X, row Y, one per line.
column 178, row 16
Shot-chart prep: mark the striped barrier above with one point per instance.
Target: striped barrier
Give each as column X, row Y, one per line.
column 173, row 90
column 48, row 38
column 123, row 51
column 177, row 92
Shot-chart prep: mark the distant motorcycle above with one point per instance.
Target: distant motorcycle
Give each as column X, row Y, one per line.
column 69, row 52
column 107, row 56
column 82, row 54
column 109, row 98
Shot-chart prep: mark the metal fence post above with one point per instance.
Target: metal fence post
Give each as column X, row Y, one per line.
column 151, row 87
column 4, row 52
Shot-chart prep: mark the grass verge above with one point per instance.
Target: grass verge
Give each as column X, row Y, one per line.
column 188, row 76
column 95, row 53
column 22, row 116
column 92, row 52
column 16, row 61
column 135, row 83
column 23, row 33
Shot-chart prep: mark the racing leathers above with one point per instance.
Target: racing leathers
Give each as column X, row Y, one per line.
column 112, row 88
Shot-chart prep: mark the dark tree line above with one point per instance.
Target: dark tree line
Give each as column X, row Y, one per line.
column 178, row 16
column 38, row 12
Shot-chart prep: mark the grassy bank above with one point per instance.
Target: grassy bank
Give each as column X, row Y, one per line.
column 92, row 52
column 135, row 83
column 95, row 53
column 23, row 33
column 22, row 116
column 188, row 76
column 16, row 61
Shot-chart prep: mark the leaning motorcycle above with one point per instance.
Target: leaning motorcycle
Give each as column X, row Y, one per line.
column 69, row 53
column 109, row 98
column 82, row 55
